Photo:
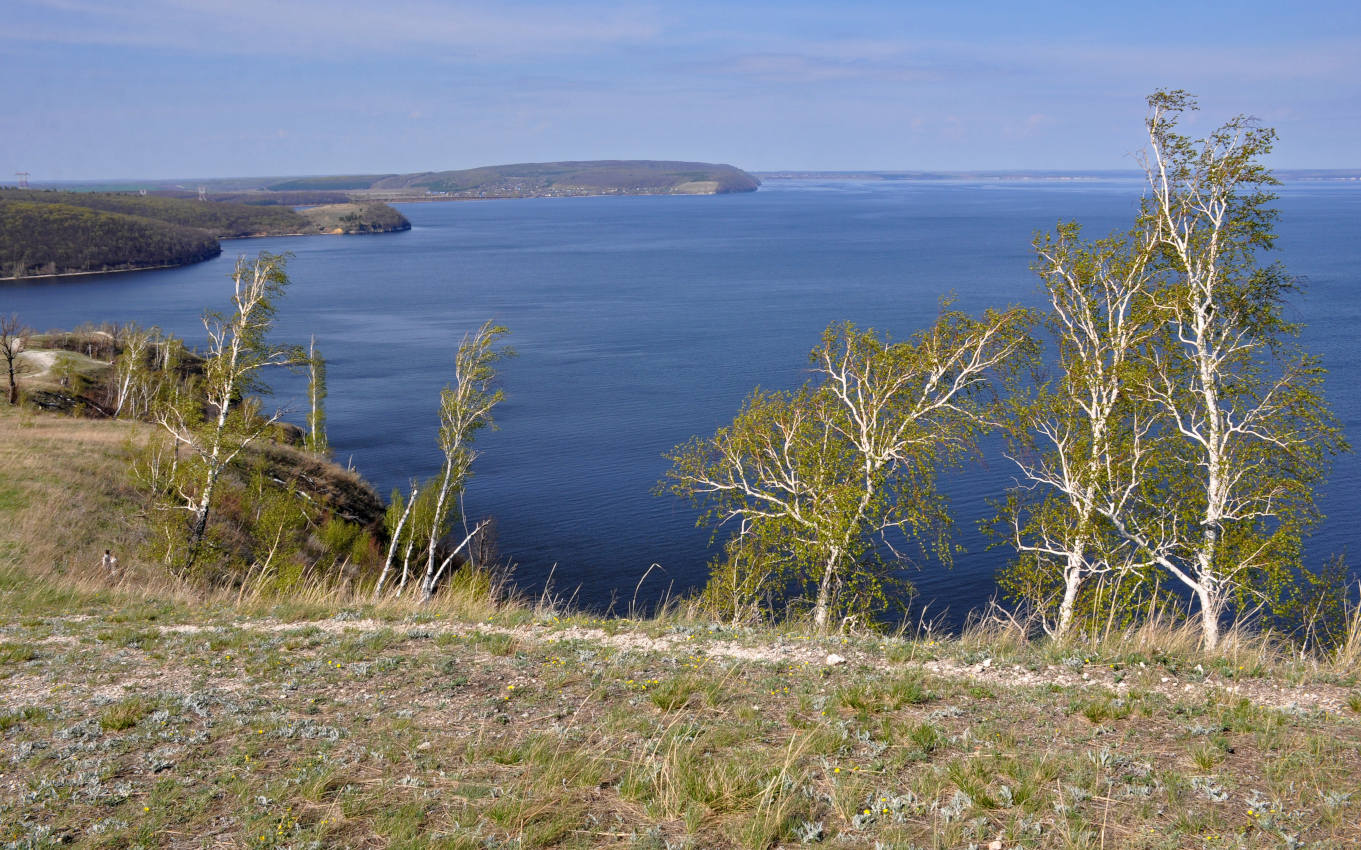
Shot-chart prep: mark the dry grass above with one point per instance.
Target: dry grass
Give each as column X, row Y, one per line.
column 144, row 712
column 64, row 494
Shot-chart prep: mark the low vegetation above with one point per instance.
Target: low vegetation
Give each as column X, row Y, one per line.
column 138, row 711
column 355, row 218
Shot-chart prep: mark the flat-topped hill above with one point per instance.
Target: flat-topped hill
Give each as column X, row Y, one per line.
column 544, row 179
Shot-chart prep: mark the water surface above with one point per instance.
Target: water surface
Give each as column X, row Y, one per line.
column 640, row 322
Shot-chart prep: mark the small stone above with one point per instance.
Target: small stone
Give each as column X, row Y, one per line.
column 995, row 845
column 987, row 662
column 423, row 745
column 833, row 659
column 1164, row 680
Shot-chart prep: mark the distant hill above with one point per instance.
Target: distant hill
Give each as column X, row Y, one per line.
column 520, row 180
column 52, row 233
column 355, row 218
column 544, row 179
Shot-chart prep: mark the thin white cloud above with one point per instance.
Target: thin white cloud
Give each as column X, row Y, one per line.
column 341, row 26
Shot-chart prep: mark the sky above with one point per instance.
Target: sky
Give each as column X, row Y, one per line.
column 197, row 88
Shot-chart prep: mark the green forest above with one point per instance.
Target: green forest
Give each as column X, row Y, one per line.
column 46, row 239
column 221, row 219
column 52, row 232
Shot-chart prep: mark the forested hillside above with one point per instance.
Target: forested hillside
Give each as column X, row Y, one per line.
column 50, row 232
column 221, row 219
column 45, row 239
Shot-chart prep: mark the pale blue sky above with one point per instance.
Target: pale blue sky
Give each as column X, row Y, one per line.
column 186, row 88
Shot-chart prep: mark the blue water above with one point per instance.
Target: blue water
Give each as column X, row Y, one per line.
column 640, row 322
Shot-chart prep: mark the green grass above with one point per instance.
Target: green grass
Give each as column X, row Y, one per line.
column 124, row 714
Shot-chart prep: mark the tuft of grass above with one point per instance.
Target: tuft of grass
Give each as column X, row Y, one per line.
column 674, row 694
column 16, row 653
column 125, row 714
column 14, row 718
column 926, row 738
column 1102, row 708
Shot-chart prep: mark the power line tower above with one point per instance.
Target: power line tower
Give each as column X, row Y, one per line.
column 23, row 179
column 203, row 193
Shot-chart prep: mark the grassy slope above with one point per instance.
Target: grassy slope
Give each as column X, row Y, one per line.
column 355, row 218
column 133, row 713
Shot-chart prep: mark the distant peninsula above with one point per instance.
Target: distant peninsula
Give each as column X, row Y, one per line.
column 540, row 180
column 108, row 226
column 55, row 233
column 520, row 180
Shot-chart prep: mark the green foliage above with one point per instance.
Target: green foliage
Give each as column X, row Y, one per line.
column 827, row 483
column 214, row 417
column 125, row 714
column 315, row 439
column 1185, row 433
column 276, row 519
column 465, row 408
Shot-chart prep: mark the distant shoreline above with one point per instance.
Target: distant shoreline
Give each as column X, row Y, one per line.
column 1341, row 175
column 11, row 279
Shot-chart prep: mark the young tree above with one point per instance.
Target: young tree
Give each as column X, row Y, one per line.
column 465, row 409
column 1248, row 434
column 316, row 397
column 821, row 477
column 210, row 420
column 13, row 335
column 133, row 382
column 418, row 523
column 1080, row 441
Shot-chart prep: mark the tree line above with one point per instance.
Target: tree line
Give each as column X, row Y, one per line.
column 211, row 416
column 1171, row 443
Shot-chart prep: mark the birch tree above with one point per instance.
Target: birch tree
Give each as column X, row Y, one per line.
column 828, row 477
column 465, row 409
column 1080, row 443
column 418, row 523
column 316, row 400
column 1249, row 435
column 136, row 380
column 209, row 420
